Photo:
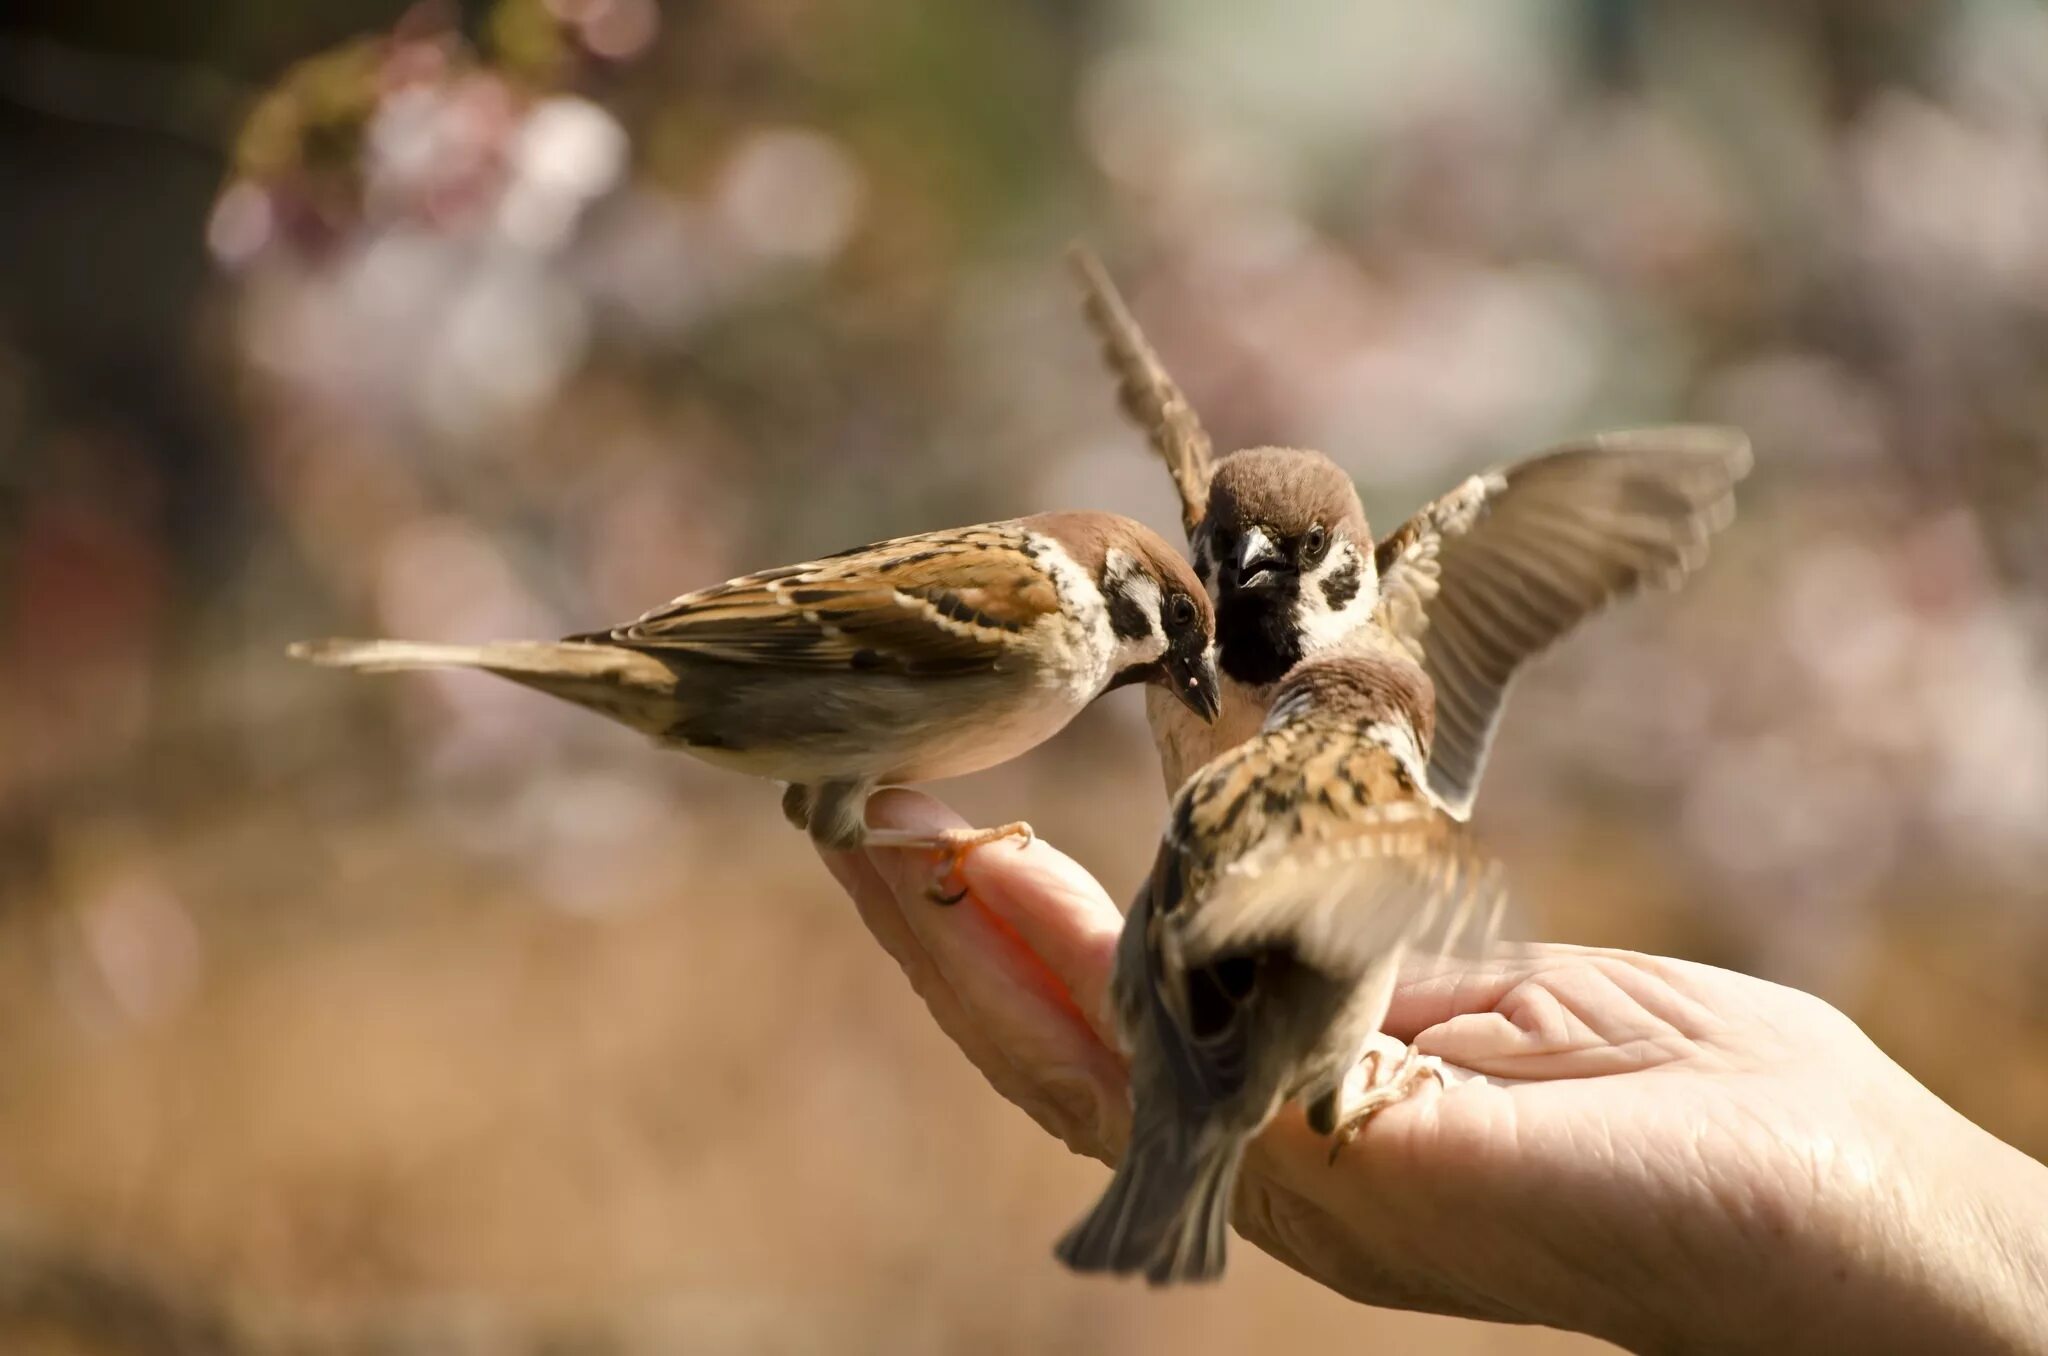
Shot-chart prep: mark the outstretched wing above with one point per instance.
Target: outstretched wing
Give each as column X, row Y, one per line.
column 1148, row 393
column 1495, row 572
column 937, row 604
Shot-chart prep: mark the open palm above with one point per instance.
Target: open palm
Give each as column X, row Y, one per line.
column 1624, row 1140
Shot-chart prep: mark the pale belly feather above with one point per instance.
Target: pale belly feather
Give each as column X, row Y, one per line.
column 891, row 730
column 994, row 730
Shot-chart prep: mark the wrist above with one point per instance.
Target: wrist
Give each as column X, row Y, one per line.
column 1934, row 1239
column 1981, row 1219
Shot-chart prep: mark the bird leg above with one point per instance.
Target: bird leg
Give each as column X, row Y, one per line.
column 951, row 847
column 1390, row 1071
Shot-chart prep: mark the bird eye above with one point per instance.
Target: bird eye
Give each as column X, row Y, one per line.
column 1313, row 544
column 1180, row 610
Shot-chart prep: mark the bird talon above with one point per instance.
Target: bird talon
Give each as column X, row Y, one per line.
column 1342, row 1140
column 937, row 893
column 1382, row 1087
column 954, row 853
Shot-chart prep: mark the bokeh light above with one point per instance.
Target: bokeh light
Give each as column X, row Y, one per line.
column 426, row 1009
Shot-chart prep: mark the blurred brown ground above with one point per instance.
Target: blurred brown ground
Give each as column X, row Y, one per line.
column 422, row 1014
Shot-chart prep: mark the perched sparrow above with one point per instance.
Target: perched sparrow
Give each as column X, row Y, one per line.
column 908, row 660
column 1259, row 960
column 1475, row 585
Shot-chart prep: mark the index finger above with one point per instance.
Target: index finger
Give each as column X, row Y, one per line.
column 1048, row 904
column 1060, row 912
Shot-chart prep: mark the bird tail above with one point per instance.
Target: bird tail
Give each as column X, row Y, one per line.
column 607, row 678
column 1166, row 1212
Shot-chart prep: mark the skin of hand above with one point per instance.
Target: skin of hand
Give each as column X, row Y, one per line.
column 1663, row 1154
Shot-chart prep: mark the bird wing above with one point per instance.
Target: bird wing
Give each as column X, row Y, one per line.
column 1198, row 1015
column 1287, row 936
column 942, row 603
column 1149, row 395
column 1312, row 839
column 1393, row 876
column 1495, row 572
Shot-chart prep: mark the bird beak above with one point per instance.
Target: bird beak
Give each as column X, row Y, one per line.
column 1258, row 562
column 1193, row 680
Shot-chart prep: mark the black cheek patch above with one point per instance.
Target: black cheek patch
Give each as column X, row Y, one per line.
column 1342, row 586
column 1126, row 615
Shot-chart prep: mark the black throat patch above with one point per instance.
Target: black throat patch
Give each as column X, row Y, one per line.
column 1256, row 639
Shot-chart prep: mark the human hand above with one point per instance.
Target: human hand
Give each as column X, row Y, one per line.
column 1676, row 1157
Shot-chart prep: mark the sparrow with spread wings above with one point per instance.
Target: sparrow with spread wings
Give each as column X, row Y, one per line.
column 908, row 660
column 1257, row 964
column 1473, row 586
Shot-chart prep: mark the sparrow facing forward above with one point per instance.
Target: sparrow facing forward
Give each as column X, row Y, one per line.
column 908, row 660
column 1473, row 586
column 1259, row 960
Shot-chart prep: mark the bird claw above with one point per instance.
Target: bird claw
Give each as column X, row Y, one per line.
column 1385, row 1080
column 953, row 849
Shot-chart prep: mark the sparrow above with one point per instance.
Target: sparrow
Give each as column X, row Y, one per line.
column 1258, row 962
column 914, row 659
column 1473, row 586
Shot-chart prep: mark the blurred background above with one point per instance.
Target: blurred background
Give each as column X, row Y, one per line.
column 427, row 1014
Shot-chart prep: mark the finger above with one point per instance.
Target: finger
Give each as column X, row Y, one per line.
column 991, row 963
column 1434, row 989
column 1624, row 996
column 1007, row 990
column 877, row 905
column 1061, row 913
column 1580, row 1016
column 1491, row 1043
column 976, row 940
column 875, row 902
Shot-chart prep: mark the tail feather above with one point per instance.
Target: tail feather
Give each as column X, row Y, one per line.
column 629, row 686
column 509, row 657
column 1166, row 1212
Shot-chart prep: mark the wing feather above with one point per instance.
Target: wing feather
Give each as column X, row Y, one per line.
column 1149, row 395
column 1497, row 571
column 1400, row 873
column 934, row 604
